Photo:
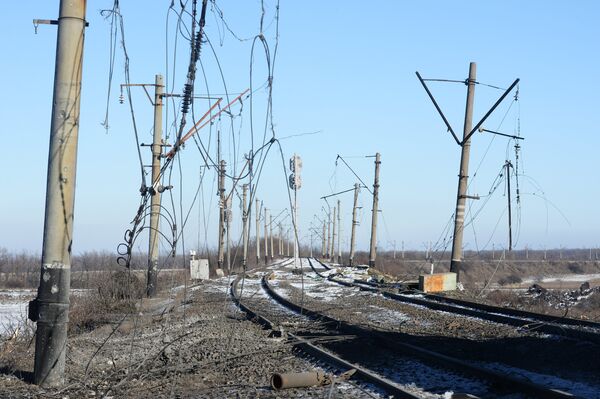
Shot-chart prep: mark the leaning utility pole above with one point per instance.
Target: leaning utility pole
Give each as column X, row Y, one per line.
column 339, row 250
column 271, row 234
column 373, row 248
column 509, row 165
column 50, row 309
column 222, row 214
column 245, row 225
column 333, row 236
column 266, row 239
column 155, row 191
column 354, row 224
column 257, row 233
column 463, row 175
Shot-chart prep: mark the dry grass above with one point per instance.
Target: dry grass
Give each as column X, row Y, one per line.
column 115, row 294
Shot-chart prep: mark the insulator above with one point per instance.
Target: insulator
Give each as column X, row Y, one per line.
column 187, row 98
column 121, row 99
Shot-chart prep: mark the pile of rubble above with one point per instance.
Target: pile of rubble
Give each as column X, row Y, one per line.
column 562, row 299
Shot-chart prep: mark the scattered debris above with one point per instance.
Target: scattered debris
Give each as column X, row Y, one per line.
column 307, row 379
column 561, row 299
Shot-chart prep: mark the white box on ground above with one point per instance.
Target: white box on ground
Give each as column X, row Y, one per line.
column 199, row 269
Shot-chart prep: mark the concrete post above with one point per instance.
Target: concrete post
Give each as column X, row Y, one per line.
column 266, row 238
column 228, row 216
column 155, row 192
column 222, row 214
column 459, row 214
column 508, row 166
column 245, row 224
column 257, row 233
column 51, row 307
column 354, row 224
column 327, row 253
column 373, row 247
column 333, row 235
column 280, row 252
column 323, row 244
column 271, row 234
column 339, row 224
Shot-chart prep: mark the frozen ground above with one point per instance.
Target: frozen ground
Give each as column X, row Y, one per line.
column 13, row 308
column 576, row 278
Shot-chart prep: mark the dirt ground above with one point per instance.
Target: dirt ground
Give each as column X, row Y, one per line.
column 187, row 345
column 549, row 287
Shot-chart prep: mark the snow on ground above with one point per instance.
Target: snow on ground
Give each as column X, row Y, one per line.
column 575, row 278
column 385, row 316
column 579, row 389
column 13, row 308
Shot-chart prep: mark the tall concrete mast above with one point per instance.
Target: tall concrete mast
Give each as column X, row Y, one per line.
column 463, row 175
column 50, row 309
column 354, row 223
column 373, row 246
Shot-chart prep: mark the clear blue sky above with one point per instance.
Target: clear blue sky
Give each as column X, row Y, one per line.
column 345, row 70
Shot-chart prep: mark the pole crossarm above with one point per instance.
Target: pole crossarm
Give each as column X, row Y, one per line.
column 502, row 134
column 502, row 97
column 354, row 173
column 341, row 192
column 439, row 110
column 478, row 125
column 197, row 126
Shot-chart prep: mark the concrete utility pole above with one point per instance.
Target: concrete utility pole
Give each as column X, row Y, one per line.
column 156, row 189
column 257, row 233
column 271, row 233
column 280, row 239
column 311, row 246
column 461, row 198
column 373, row 248
column 333, row 236
column 354, row 224
column 323, row 245
column 227, row 230
column 468, row 131
column 50, row 309
column 266, row 239
column 327, row 255
column 222, row 214
column 245, row 224
column 339, row 249
column 508, row 165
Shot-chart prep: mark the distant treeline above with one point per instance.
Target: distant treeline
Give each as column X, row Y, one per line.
column 23, row 269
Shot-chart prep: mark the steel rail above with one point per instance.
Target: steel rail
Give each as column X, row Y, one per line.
column 329, row 357
column 495, row 378
column 518, row 318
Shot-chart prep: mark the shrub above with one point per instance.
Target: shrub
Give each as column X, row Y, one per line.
column 115, row 296
column 510, row 279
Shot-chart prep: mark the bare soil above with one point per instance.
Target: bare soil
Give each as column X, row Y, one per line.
column 188, row 344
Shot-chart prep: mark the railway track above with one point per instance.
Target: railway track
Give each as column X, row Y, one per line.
column 582, row 330
column 382, row 348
